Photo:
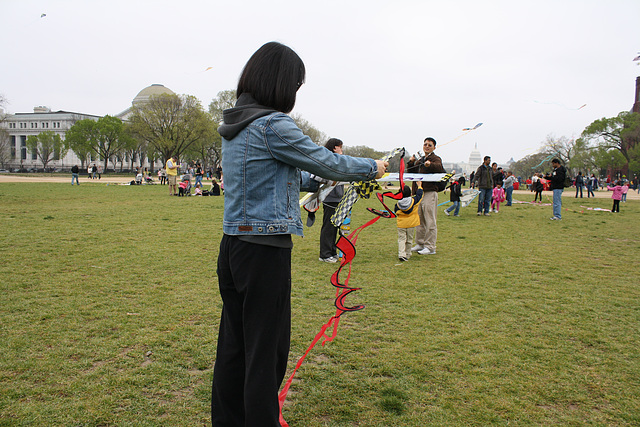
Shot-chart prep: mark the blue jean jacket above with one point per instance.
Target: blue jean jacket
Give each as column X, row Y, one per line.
column 262, row 177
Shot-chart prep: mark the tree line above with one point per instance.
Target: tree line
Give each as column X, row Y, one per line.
column 607, row 144
column 179, row 126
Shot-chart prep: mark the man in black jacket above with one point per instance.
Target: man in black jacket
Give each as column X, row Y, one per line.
column 74, row 174
column 427, row 231
column 557, row 185
column 483, row 181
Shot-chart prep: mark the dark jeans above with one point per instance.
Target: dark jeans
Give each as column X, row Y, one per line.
column 616, row 206
column 255, row 329
column 579, row 189
column 328, row 233
column 509, row 195
column 484, row 199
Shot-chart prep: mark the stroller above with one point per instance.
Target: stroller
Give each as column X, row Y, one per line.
column 184, row 188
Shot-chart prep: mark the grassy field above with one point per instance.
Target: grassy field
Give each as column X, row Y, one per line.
column 110, row 310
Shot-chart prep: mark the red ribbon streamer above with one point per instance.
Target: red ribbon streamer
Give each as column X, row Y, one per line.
column 347, row 246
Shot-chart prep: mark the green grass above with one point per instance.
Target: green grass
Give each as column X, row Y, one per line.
column 110, row 309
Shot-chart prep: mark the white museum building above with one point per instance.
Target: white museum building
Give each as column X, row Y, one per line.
column 20, row 126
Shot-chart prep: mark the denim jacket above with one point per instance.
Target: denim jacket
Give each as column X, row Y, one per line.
column 262, row 177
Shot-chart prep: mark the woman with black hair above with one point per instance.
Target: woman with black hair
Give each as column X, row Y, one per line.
column 263, row 153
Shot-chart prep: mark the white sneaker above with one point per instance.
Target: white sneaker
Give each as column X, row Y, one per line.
column 417, row 248
column 331, row 259
column 427, row 251
column 446, row 212
column 479, row 213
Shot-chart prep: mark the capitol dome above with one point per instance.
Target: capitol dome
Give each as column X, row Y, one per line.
column 149, row 91
column 475, row 158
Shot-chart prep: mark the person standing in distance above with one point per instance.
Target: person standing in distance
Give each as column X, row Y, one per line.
column 172, row 175
column 263, row 154
column 484, row 183
column 329, row 232
column 556, row 178
column 427, row 231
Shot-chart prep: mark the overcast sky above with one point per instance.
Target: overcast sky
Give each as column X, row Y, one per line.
column 382, row 74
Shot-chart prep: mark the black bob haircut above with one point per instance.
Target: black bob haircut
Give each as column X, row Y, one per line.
column 272, row 76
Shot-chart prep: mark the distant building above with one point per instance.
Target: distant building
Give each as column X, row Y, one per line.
column 20, row 125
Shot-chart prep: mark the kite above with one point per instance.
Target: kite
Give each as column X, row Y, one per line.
column 561, row 105
column 473, row 128
column 43, row 15
column 464, row 132
column 346, row 245
column 637, row 58
column 468, row 196
column 208, row 68
column 421, row 177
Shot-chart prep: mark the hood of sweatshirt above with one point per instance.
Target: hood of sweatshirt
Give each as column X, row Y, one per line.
column 405, row 203
column 239, row 117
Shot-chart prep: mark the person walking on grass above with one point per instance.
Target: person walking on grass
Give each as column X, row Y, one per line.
column 484, row 183
column 497, row 196
column 579, row 185
column 454, row 196
column 590, row 181
column 556, row 178
column 75, row 171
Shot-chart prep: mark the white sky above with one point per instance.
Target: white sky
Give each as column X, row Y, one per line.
column 382, row 74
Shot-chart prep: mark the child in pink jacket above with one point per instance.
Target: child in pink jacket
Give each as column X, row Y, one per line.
column 497, row 197
column 625, row 190
column 616, row 196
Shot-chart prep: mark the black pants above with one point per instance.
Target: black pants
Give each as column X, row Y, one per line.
column 328, row 232
column 255, row 330
column 616, row 206
column 538, row 193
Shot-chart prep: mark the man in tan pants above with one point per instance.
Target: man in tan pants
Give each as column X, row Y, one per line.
column 427, row 231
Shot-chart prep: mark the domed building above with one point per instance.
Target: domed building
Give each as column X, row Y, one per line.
column 475, row 158
column 20, row 126
column 143, row 96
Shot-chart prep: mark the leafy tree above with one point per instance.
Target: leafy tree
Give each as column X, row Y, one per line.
column 224, row 100
column 81, row 138
column 111, row 138
column 5, row 149
column 308, row 129
column 47, row 145
column 562, row 147
column 363, row 151
column 528, row 165
column 171, row 124
column 621, row 133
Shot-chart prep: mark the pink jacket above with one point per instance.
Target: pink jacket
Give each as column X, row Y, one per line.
column 625, row 189
column 617, row 192
column 498, row 194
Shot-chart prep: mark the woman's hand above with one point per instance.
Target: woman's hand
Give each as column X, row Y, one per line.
column 382, row 168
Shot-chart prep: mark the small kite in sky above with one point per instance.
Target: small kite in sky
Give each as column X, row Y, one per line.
column 209, row 68
column 560, row 105
column 637, row 59
column 43, row 15
column 473, row 128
